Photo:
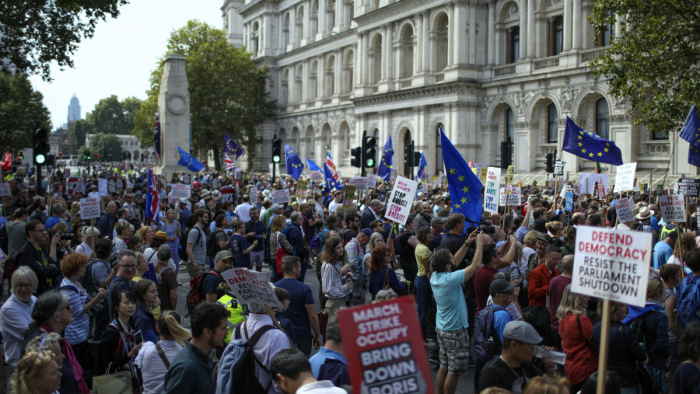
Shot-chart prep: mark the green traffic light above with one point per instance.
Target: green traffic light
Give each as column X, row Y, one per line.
column 370, row 163
column 276, row 159
column 40, row 159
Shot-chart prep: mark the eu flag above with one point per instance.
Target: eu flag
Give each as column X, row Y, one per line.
column 187, row 160
column 691, row 133
column 421, row 168
column 294, row 165
column 230, row 146
column 387, row 162
column 312, row 165
column 331, row 183
column 582, row 143
column 465, row 187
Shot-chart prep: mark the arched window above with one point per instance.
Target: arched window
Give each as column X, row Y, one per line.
column 298, row 84
column 347, row 72
column 285, row 32
column 601, row 118
column 510, row 126
column 300, row 24
column 406, row 50
column 556, row 36
column 313, row 81
column 552, row 128
column 254, row 36
column 514, row 45
column 440, row 42
column 314, row 19
column 375, row 60
column 284, row 88
column 330, row 77
column 330, row 15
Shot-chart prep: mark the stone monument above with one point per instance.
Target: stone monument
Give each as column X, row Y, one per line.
column 174, row 108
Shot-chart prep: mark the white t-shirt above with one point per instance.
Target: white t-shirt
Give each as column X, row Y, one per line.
column 152, row 367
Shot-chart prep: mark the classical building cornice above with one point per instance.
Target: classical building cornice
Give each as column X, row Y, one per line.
column 256, row 6
column 458, row 91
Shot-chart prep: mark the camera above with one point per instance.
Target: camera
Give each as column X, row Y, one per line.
column 67, row 236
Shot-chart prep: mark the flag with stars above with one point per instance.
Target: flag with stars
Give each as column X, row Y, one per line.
column 331, row 167
column 312, row 165
column 465, row 187
column 421, row 168
column 230, row 146
column 386, row 164
column 331, row 183
column 187, row 160
column 691, row 133
column 587, row 145
column 294, row 165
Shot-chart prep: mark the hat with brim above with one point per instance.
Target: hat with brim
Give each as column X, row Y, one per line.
column 500, row 286
column 160, row 236
column 521, row 331
column 644, row 213
column 224, row 255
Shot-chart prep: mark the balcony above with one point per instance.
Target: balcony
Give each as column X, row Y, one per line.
column 590, row 54
column 547, row 62
column 504, row 70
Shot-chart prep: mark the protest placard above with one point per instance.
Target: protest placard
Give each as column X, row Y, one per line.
column 102, row 187
column 513, row 197
column 215, row 183
column 5, row 189
column 400, row 200
column 588, row 180
column 349, row 198
column 625, row 210
column 81, row 186
column 689, row 187
column 559, row 167
column 72, row 185
column 248, row 285
column 227, row 194
column 66, row 172
column 120, row 184
column 569, row 202
column 491, row 192
column 253, row 195
column 509, row 176
column 180, row 190
column 612, row 264
column 624, row 179
column 360, row 183
column 89, row 208
column 316, row 176
column 383, row 352
column 672, row 208
column 111, row 186
column 371, row 181
column 302, row 185
column 279, row 196
column 186, row 178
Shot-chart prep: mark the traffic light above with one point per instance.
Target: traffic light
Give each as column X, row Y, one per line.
column 408, row 158
column 416, row 159
column 97, row 155
column 506, row 154
column 276, row 150
column 356, row 157
column 40, row 145
column 550, row 163
column 369, row 150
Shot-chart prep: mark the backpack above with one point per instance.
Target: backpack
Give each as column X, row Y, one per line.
column 159, row 275
column 689, row 302
column 10, row 265
column 213, row 244
column 639, row 327
column 538, row 316
column 182, row 248
column 195, row 297
column 236, row 369
column 87, row 280
column 487, row 345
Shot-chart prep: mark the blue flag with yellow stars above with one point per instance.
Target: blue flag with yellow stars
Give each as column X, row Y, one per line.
column 465, row 187
column 230, row 146
column 582, row 143
column 331, row 183
column 691, row 133
column 421, row 168
column 294, row 165
column 187, row 160
column 386, row 164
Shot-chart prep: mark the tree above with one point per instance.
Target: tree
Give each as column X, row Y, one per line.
column 80, row 131
column 112, row 116
column 109, row 147
column 655, row 62
column 21, row 109
column 37, row 32
column 227, row 91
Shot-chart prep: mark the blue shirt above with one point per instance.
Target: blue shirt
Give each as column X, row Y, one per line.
column 51, row 221
column 451, row 306
column 319, row 364
column 300, row 296
column 662, row 252
column 238, row 244
column 500, row 320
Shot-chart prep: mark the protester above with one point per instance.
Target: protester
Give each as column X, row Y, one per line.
column 197, row 243
column 687, row 376
column 278, row 241
column 555, row 290
column 291, row 373
column 329, row 362
column 90, row 236
column 381, row 274
column 333, row 275
column 576, row 330
column 173, row 232
column 424, row 294
column 539, row 278
column 35, row 256
column 167, row 279
column 146, row 294
column 212, row 283
column 37, row 372
column 118, row 345
column 16, row 314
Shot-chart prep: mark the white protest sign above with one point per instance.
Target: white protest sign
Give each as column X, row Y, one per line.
column 559, row 167
column 624, row 209
column 120, row 184
column 180, row 190
column 672, row 208
column 316, row 176
column 624, row 179
column 279, row 196
column 81, row 186
column 248, row 285
column 371, row 181
column 513, row 198
column 588, row 180
column 253, row 195
column 400, row 199
column 360, row 183
column 493, row 176
column 5, row 189
column 612, row 264
column 89, row 208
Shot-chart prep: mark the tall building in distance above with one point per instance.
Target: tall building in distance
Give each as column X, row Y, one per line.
column 74, row 109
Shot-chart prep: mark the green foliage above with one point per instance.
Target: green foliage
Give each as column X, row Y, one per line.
column 21, row 108
column 107, row 145
column 112, row 116
column 80, row 131
column 227, row 91
column 38, row 32
column 655, row 62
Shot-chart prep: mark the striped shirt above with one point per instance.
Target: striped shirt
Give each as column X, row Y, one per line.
column 76, row 332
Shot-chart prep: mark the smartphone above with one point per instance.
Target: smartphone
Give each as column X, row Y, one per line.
column 138, row 337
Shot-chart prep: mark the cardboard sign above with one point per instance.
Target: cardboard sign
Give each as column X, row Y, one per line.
column 227, row 194
column 111, row 186
column 624, row 179
column 89, row 208
column 559, row 167
column 400, row 200
column 588, row 180
column 248, row 285
column 302, row 185
column 612, row 264
column 513, row 197
column 689, row 187
column 625, row 210
column 102, row 187
column 187, row 179
column 349, row 198
column 360, row 183
column 509, row 175
column 569, row 202
column 81, row 186
column 5, row 189
column 316, row 176
column 215, row 183
column 253, row 195
column 279, row 196
column 383, row 352
column 491, row 191
column 601, row 192
column 180, row 190
column 672, row 208
column 371, row 181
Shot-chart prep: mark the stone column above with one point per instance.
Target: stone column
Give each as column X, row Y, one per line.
column 577, row 29
column 174, row 109
column 418, row 49
column 472, row 33
column 306, row 23
column 531, row 33
column 321, row 20
column 388, row 33
column 292, row 29
column 523, row 29
column 338, row 16
column 568, row 25
column 492, row 49
column 364, row 55
column 425, row 42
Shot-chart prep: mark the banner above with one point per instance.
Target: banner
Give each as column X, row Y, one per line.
column 492, row 191
column 624, row 208
column 111, row 186
column 513, row 197
column 316, row 176
column 383, row 352
column 71, row 186
column 509, row 175
column 612, row 264
column 89, row 208
column 672, row 208
column 624, row 179
column 349, row 198
column 180, row 190
column 360, row 183
column 588, row 180
column 400, row 200
column 102, row 187
column 248, row 285
column 689, row 187
column 186, row 178
column 279, row 196
column 302, row 185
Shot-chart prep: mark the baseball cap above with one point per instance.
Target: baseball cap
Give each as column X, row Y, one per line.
column 522, row 331
column 499, row 286
column 224, row 255
column 367, row 231
column 438, row 220
column 183, row 200
column 276, row 207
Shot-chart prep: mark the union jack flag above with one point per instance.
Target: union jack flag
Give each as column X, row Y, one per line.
column 229, row 165
column 331, row 166
column 152, row 200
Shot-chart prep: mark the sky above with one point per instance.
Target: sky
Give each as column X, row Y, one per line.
column 120, row 56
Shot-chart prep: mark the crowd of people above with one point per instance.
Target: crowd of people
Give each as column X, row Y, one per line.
column 91, row 302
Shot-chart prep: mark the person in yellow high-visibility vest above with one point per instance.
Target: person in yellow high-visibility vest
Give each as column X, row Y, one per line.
column 236, row 313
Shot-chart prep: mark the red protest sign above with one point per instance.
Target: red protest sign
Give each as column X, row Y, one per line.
column 384, row 348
